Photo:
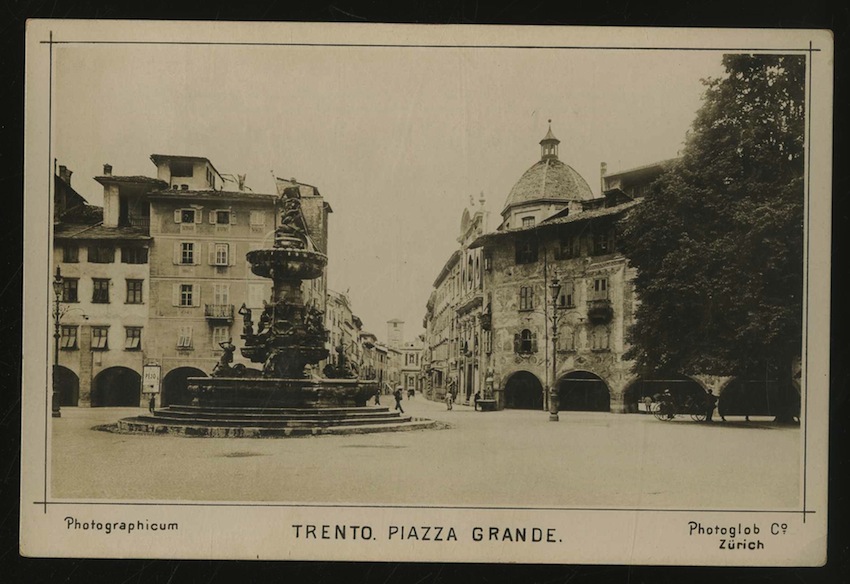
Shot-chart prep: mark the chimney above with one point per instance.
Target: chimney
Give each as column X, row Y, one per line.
column 65, row 174
column 107, row 169
column 603, row 170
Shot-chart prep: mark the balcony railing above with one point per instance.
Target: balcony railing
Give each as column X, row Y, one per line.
column 219, row 312
column 599, row 311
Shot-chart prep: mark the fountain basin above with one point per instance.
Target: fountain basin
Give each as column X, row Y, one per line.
column 291, row 264
column 269, row 392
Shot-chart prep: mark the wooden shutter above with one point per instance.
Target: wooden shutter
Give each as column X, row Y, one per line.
column 533, row 342
column 232, row 217
column 196, row 294
column 175, row 294
column 211, row 253
column 517, row 342
column 196, row 252
column 212, row 217
column 199, row 216
column 177, row 250
column 231, row 253
column 177, row 215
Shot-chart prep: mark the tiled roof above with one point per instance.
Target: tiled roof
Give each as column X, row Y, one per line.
column 548, row 180
column 86, row 232
column 145, row 180
column 210, row 194
column 572, row 218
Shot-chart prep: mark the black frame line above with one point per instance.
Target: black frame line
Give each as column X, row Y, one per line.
column 804, row 422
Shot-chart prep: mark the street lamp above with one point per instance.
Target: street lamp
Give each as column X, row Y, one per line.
column 555, row 289
column 57, row 293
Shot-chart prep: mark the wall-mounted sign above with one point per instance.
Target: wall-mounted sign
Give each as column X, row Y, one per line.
column 150, row 378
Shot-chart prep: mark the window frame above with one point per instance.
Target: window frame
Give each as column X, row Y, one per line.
column 526, row 298
column 194, row 213
column 64, row 338
column 100, row 290
column 67, row 287
column 128, row 337
column 131, row 288
column 187, row 250
column 526, row 250
column 67, row 256
column 96, row 254
column 187, row 291
column 132, row 253
column 96, row 334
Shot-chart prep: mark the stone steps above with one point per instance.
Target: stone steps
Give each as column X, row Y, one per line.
column 252, row 422
column 136, row 425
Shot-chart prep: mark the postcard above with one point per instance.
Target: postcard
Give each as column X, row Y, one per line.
column 367, row 292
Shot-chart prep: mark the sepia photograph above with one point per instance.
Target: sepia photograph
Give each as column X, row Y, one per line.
column 399, row 292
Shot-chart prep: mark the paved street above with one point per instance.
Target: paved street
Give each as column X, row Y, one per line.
column 507, row 458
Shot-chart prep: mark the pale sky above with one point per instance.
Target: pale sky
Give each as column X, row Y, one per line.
column 396, row 139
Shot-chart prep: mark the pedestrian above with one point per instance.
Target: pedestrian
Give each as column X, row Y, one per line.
column 668, row 404
column 398, row 397
column 477, row 398
column 378, row 397
column 448, row 399
column 152, row 403
column 710, row 403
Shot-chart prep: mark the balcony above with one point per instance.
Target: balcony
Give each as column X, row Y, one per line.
column 599, row 311
column 219, row 312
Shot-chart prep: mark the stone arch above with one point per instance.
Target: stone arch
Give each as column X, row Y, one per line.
column 174, row 386
column 116, row 387
column 749, row 397
column 582, row 390
column 681, row 386
column 523, row 391
column 67, row 387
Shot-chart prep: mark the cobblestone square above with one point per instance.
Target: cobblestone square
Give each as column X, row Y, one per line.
column 499, row 459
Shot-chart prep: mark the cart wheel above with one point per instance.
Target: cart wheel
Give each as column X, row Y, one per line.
column 657, row 411
column 700, row 417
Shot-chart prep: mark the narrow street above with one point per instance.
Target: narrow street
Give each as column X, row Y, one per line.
column 506, row 458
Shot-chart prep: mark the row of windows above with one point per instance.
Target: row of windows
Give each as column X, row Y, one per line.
column 100, row 291
column 104, row 254
column 257, row 218
column 100, row 338
column 569, row 246
column 566, row 298
column 525, row 341
column 188, row 253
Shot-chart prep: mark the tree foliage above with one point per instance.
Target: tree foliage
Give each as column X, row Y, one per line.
column 718, row 242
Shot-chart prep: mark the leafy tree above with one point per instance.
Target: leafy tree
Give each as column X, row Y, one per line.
column 718, row 242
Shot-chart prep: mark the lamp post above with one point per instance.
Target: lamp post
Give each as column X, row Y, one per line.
column 57, row 294
column 555, row 289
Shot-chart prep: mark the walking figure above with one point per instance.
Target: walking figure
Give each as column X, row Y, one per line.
column 477, row 398
column 449, row 399
column 152, row 403
column 397, row 395
column 378, row 397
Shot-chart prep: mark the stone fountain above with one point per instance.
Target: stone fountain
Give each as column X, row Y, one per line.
column 284, row 396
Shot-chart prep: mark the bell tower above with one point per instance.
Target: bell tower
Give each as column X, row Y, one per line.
column 549, row 145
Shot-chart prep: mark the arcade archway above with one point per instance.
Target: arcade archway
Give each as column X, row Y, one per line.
column 67, row 387
column 523, row 391
column 116, row 387
column 583, row 391
column 681, row 386
column 174, row 391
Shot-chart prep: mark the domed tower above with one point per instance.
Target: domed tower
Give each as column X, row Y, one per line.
column 546, row 188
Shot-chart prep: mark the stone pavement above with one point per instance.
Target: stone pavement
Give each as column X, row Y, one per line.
column 505, row 458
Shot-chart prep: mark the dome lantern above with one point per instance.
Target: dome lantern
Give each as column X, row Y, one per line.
column 549, row 145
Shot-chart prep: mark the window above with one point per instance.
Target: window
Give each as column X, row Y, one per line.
column 134, row 291
column 101, row 254
column 69, row 289
column 258, row 218
column 528, row 221
column 526, row 298
column 100, row 290
column 600, row 289
column 186, row 294
column 603, row 242
column 133, row 340
column 220, row 255
column 220, row 334
column 488, row 341
column 526, row 250
column 68, row 338
column 99, row 338
column 567, row 297
column 184, row 216
column 568, row 248
column 600, row 339
column 221, row 294
column 187, row 252
column 222, row 217
column 182, row 168
column 70, row 254
column 134, row 255
column 525, row 342
column 184, row 338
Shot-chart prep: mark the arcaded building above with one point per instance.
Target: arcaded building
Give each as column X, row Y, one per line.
column 491, row 328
